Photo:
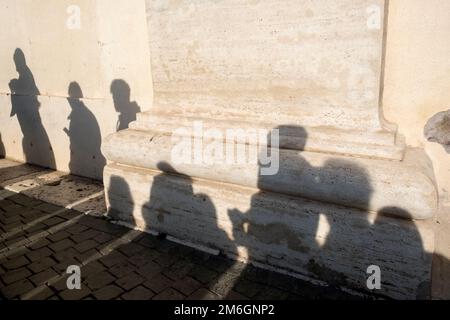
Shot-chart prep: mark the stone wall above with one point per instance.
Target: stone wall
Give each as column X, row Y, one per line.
column 67, row 56
column 112, row 44
column 417, row 77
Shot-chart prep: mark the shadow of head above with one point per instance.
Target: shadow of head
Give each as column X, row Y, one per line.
column 19, row 60
column 74, row 91
column 271, row 161
column 120, row 91
column 395, row 212
column 290, row 136
column 168, row 169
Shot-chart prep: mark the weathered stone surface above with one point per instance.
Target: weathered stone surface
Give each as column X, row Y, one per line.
column 303, row 65
column 292, row 62
column 437, row 129
column 315, row 239
column 358, row 182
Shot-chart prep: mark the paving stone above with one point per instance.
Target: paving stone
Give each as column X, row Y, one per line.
column 87, row 256
column 12, row 226
column 18, row 241
column 17, row 252
column 149, row 270
column 131, row 249
column 138, row 293
column 203, row 274
column 48, row 208
column 103, row 225
column 16, row 263
column 30, row 217
column 149, row 241
column 165, row 260
column 24, row 200
column 8, row 220
column 75, row 294
column 268, row 293
column 143, row 257
column 43, row 277
column 69, row 214
column 203, row 294
column 248, row 288
column 39, row 244
column 53, row 221
column 76, row 228
column 99, row 280
column 66, row 256
column 169, row 294
column 187, row 285
column 85, row 235
column 158, row 283
column 86, row 245
column 60, row 284
column 17, row 288
column 15, row 275
column 12, row 209
column 62, row 266
column 103, row 237
column 179, row 270
column 220, row 264
column 43, row 294
column 233, row 295
column 39, row 254
column 113, row 258
column 256, row 274
column 107, row 293
column 122, row 269
column 62, row 245
column 130, row 281
column 224, row 283
column 139, row 268
column 167, row 246
column 92, row 268
column 41, row 265
column 60, row 235
column 198, row 257
column 36, row 229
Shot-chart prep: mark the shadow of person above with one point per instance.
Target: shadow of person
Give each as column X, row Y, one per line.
column 175, row 208
column 281, row 232
column 266, row 226
column 86, row 158
column 333, row 242
column 120, row 201
column 127, row 109
column 25, row 105
column 195, row 209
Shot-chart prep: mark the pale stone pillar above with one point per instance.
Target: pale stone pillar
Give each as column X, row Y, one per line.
column 314, row 70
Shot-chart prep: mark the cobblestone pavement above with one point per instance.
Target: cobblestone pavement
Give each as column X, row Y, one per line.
column 39, row 241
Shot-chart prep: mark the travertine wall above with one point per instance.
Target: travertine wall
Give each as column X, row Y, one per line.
column 417, row 75
column 110, row 44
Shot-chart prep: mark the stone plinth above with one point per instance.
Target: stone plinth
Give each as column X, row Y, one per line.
column 346, row 190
